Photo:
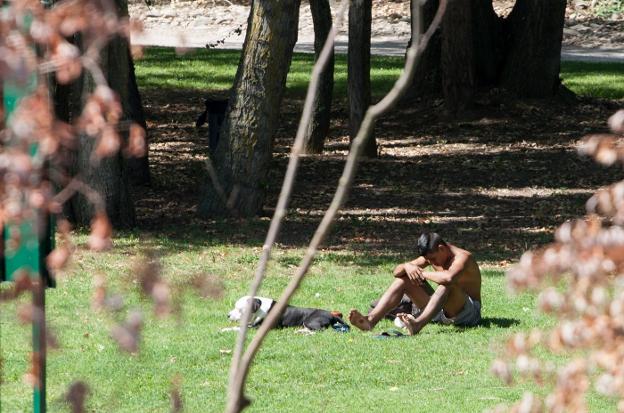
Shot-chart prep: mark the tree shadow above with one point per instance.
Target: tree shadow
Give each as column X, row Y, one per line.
column 498, row 184
column 498, row 322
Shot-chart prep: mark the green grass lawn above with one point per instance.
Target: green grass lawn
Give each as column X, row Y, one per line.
column 442, row 369
column 214, row 70
column 604, row 80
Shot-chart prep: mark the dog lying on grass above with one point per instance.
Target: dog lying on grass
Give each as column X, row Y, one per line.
column 311, row 318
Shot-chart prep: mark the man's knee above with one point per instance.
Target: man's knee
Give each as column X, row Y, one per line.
column 405, row 306
column 400, row 282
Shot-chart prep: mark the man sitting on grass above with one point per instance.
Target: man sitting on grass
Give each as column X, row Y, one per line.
column 456, row 300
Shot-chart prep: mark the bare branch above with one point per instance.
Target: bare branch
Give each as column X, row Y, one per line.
column 240, row 368
column 228, row 201
column 77, row 185
column 284, row 198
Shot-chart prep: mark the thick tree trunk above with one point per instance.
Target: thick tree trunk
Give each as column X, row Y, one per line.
column 487, row 43
column 108, row 177
column 535, row 29
column 319, row 124
column 138, row 168
column 478, row 49
column 359, row 70
column 244, row 151
column 457, row 79
column 427, row 77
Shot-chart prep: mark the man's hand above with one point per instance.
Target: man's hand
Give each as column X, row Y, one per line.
column 399, row 271
column 414, row 273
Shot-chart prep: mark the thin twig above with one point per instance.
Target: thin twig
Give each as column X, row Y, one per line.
column 236, row 400
column 77, row 185
column 212, row 174
column 284, row 198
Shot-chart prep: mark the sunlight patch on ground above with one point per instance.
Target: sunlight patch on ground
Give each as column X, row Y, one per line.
column 530, row 192
column 408, row 148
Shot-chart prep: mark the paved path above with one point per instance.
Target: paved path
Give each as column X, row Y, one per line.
column 380, row 46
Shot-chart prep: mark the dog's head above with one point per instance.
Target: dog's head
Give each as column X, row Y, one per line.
column 260, row 307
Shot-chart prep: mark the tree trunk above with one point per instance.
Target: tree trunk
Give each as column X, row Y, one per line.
column 535, row 30
column 244, row 150
column 109, row 177
column 358, row 76
column 457, row 79
column 138, row 168
column 487, row 43
column 427, row 76
column 319, row 124
column 478, row 49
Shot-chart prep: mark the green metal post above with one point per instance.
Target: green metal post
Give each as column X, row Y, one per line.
column 30, row 256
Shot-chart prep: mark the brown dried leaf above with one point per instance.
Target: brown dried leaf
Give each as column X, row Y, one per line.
column 76, row 396
column 108, row 144
column 137, row 144
column 31, row 377
column 66, row 58
column 616, row 122
column 208, row 286
column 137, row 52
column 175, row 395
column 99, row 292
column 127, row 335
column 604, row 148
column 147, row 273
column 101, row 232
column 26, row 313
column 58, row 258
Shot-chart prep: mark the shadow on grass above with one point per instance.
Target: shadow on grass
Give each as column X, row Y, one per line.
column 498, row 322
column 497, row 184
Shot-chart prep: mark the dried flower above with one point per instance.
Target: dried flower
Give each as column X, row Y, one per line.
column 101, row 232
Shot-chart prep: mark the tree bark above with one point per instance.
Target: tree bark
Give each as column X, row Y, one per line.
column 108, row 177
column 427, row 77
column 319, row 124
column 358, row 72
column 487, row 43
column 457, row 79
column 535, row 29
column 244, row 150
column 138, row 168
column 477, row 49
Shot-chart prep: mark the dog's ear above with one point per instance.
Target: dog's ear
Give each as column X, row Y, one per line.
column 255, row 306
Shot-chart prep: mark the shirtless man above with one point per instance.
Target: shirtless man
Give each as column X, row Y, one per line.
column 456, row 300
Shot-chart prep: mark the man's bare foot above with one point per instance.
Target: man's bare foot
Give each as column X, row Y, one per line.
column 360, row 321
column 413, row 326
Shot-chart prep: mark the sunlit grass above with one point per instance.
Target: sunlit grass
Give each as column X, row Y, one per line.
column 442, row 369
column 214, row 70
column 604, row 80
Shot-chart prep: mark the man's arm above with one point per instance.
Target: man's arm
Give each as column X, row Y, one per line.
column 402, row 269
column 448, row 277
